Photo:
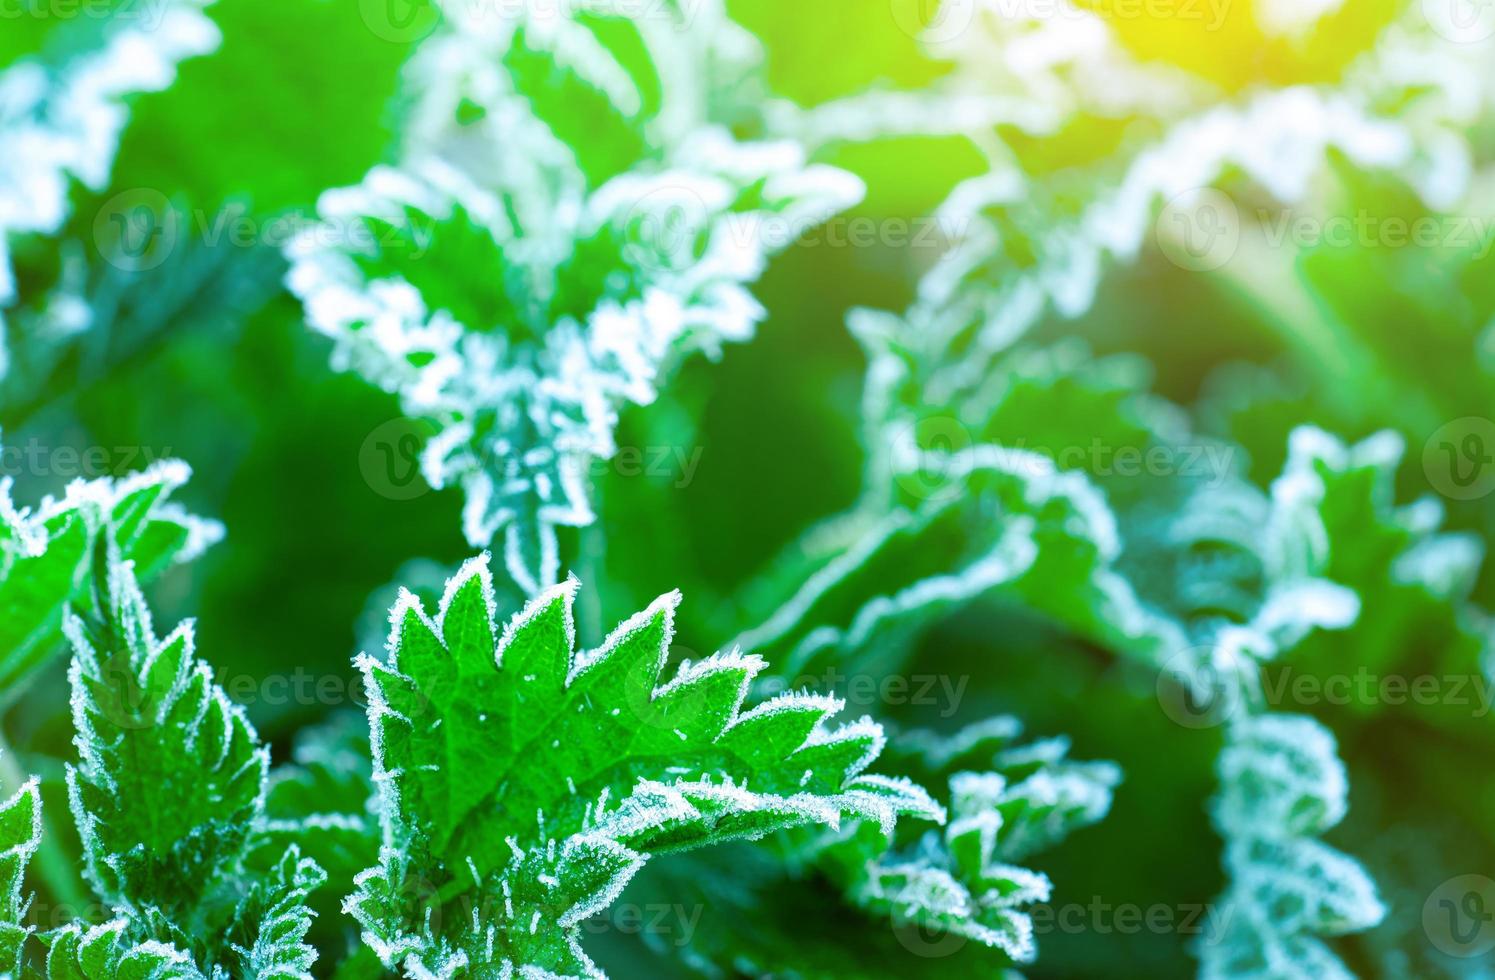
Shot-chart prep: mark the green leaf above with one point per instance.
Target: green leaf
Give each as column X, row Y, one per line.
column 891, row 908
column 20, row 836
column 322, row 803
column 523, row 782
column 169, row 799
column 273, row 921
column 105, row 952
column 44, row 556
column 1281, row 785
column 151, row 724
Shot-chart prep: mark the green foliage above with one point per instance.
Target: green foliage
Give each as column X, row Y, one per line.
column 45, row 555
column 1126, row 372
column 20, row 834
column 153, row 727
column 460, row 714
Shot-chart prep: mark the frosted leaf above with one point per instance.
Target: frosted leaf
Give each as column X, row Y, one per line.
column 876, row 579
column 1281, row 786
column 1280, row 771
column 921, row 892
column 1324, row 478
column 323, row 797
column 517, row 288
column 107, row 952
column 20, row 836
column 321, row 802
column 45, row 552
column 273, row 921
column 495, row 857
column 149, row 717
column 62, row 121
column 1030, row 241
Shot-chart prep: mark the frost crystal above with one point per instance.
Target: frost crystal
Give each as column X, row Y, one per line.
column 62, row 121
column 1029, row 242
column 936, row 894
column 45, row 554
column 20, row 836
column 497, row 855
column 518, row 282
column 1282, row 786
column 1031, row 798
column 150, row 719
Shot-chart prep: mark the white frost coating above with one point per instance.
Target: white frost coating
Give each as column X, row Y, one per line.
column 171, row 712
column 26, row 534
column 1281, row 782
column 1406, row 104
column 662, row 608
column 61, row 122
column 1281, row 785
column 962, row 881
column 823, row 706
column 587, row 850
column 582, row 299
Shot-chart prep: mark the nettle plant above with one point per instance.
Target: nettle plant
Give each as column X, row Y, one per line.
column 569, row 215
column 576, row 203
